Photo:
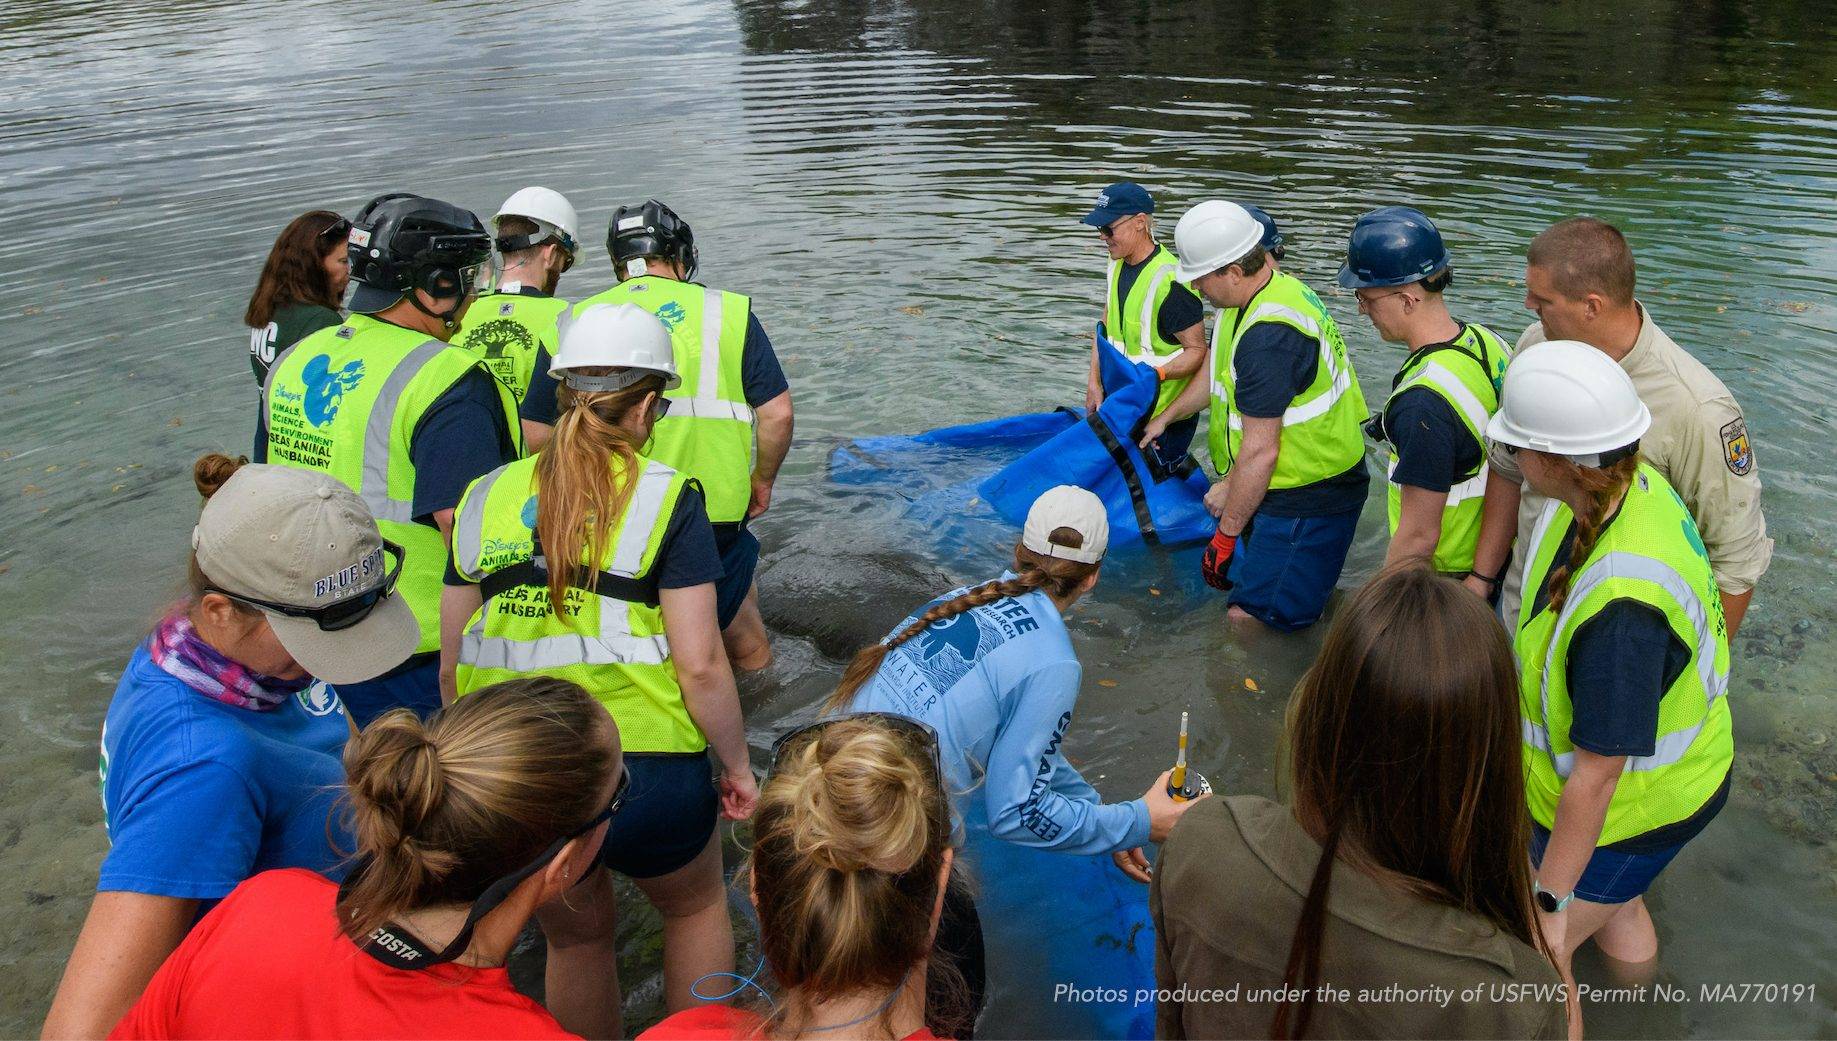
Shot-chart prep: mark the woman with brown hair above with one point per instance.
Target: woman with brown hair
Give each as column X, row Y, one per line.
column 465, row 824
column 1400, row 862
column 1623, row 649
column 592, row 563
column 301, row 287
column 851, row 858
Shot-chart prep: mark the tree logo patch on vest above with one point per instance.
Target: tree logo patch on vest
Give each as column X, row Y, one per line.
column 1735, row 448
column 499, row 337
column 325, row 389
column 672, row 314
column 528, row 515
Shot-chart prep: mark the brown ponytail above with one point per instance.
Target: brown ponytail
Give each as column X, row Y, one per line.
column 848, row 850
column 1604, row 487
column 210, row 473
column 584, row 476
column 1057, row 576
column 442, row 809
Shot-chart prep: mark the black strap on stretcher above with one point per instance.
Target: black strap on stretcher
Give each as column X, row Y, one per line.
column 1138, row 496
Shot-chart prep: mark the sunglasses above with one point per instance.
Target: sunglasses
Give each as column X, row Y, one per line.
column 1108, row 231
column 332, row 617
column 338, row 229
column 914, row 730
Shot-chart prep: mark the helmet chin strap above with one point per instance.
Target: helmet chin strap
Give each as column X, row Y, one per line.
column 449, row 319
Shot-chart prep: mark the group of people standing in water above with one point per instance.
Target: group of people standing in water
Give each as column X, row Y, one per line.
column 461, row 642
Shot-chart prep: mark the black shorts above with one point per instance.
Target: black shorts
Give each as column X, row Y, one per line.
column 668, row 814
column 739, row 559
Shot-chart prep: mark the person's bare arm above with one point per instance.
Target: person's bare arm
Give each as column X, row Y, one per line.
column 535, row 435
column 1498, row 528
column 1192, row 356
column 1419, row 525
column 1580, row 814
column 1193, row 397
column 1250, row 474
column 457, row 603
column 124, row 939
column 1734, row 609
column 708, row 690
column 772, row 424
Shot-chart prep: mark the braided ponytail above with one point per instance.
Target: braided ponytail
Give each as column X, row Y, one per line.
column 1604, row 487
column 1057, row 576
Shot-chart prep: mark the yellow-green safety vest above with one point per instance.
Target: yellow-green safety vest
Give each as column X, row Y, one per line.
column 1467, row 373
column 1650, row 553
column 612, row 643
column 708, row 433
column 507, row 328
column 1130, row 324
column 1321, row 435
column 345, row 401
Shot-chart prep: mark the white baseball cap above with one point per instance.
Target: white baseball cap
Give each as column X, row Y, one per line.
column 1068, row 507
column 302, row 548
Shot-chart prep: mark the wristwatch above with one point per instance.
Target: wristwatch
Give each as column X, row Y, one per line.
column 1548, row 902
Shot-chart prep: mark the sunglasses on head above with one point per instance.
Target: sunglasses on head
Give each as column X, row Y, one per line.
column 336, row 616
column 914, row 730
column 338, row 229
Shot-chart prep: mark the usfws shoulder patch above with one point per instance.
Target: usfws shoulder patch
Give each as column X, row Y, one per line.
column 1736, row 450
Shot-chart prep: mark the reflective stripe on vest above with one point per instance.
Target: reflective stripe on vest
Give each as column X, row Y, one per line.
column 614, row 644
column 375, row 488
column 1320, row 406
column 1669, row 748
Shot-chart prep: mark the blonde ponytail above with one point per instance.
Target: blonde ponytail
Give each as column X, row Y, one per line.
column 584, row 478
column 1603, row 485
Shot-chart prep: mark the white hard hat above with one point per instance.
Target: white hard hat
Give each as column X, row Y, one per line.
column 551, row 211
column 625, row 337
column 1071, row 507
column 1567, row 398
column 1211, row 235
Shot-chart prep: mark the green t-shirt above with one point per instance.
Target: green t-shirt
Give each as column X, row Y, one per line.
column 291, row 324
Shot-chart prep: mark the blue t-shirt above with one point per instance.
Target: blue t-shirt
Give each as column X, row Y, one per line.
column 999, row 684
column 1435, row 451
column 200, row 795
column 761, row 377
column 1274, row 363
column 463, row 436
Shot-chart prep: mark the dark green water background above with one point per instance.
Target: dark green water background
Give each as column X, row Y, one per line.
column 898, row 185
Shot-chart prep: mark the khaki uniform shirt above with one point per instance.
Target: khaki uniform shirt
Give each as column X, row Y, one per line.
column 1227, row 891
column 1698, row 440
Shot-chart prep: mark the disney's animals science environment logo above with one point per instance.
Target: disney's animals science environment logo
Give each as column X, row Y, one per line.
column 325, row 389
column 672, row 315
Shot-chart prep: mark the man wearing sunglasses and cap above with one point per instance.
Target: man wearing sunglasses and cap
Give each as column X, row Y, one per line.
column 221, row 748
column 384, row 404
column 537, row 240
column 1148, row 312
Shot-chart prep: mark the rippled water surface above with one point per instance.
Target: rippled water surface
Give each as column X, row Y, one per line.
column 898, row 185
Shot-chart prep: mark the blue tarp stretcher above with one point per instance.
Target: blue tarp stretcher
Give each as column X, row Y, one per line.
column 1070, row 942
column 953, row 475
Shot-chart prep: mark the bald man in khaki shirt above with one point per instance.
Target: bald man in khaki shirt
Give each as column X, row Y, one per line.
column 1698, row 438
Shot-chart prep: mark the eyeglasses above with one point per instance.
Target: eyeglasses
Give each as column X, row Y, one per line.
column 1366, row 302
column 338, row 229
column 915, row 730
column 334, row 617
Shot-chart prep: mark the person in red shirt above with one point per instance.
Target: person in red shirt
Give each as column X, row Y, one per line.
column 464, row 824
column 851, row 857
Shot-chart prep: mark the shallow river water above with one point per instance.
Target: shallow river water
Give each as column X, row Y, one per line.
column 898, row 183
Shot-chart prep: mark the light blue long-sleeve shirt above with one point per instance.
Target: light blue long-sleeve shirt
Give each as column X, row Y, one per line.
column 999, row 684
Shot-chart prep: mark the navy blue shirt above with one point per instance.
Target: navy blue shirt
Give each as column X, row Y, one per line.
column 1274, row 364
column 1178, row 313
column 686, row 556
column 1621, row 663
column 1435, row 450
column 463, row 436
column 761, row 377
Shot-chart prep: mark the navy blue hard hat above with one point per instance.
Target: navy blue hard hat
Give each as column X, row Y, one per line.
column 1122, row 199
column 1272, row 236
column 1392, row 246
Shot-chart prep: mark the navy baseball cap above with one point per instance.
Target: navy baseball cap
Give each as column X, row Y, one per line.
column 1272, row 236
column 1123, row 199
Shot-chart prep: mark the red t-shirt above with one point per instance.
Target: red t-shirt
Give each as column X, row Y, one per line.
column 725, row 1023
column 271, row 962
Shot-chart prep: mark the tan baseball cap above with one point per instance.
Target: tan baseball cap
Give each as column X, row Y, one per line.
column 281, row 538
column 1068, row 506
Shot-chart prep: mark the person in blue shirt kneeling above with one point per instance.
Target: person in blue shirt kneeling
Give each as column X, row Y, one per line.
column 221, row 748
